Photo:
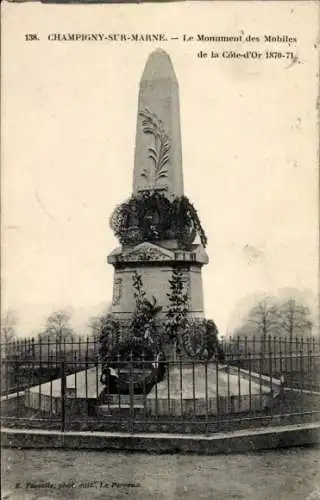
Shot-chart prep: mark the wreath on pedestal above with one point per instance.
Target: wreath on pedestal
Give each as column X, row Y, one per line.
column 151, row 216
column 200, row 340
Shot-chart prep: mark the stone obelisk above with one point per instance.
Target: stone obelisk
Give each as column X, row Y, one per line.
column 157, row 169
column 159, row 99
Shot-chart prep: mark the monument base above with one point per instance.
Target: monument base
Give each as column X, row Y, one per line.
column 187, row 391
column 206, row 390
column 155, row 264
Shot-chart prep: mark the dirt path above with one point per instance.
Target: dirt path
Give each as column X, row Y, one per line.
column 58, row 475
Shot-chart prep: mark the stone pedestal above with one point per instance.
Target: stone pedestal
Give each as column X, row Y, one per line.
column 155, row 263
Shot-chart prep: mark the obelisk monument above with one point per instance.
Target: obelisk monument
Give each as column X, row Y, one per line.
column 159, row 105
column 157, row 227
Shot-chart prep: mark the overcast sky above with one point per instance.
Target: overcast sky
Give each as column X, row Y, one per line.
column 249, row 142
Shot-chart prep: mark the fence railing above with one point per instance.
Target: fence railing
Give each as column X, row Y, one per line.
column 268, row 355
column 269, row 343
column 247, row 389
column 51, row 349
column 33, row 346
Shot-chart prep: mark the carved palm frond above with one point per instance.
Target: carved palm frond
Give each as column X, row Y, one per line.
column 164, row 160
column 163, row 155
column 150, row 123
column 153, row 154
column 162, row 173
column 158, row 153
column 148, row 130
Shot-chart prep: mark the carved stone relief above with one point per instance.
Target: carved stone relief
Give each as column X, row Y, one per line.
column 187, row 283
column 158, row 151
column 145, row 254
column 117, row 291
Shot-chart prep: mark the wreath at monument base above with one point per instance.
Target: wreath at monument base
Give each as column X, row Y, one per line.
column 200, row 340
column 132, row 368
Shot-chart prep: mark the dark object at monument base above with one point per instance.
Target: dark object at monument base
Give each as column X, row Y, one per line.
column 115, row 385
column 132, row 369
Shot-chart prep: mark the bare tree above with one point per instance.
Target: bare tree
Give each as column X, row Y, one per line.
column 295, row 318
column 57, row 326
column 8, row 327
column 8, row 331
column 261, row 321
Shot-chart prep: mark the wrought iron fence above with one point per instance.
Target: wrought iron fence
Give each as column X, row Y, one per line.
column 59, row 385
column 30, row 358
column 81, row 347
column 84, row 346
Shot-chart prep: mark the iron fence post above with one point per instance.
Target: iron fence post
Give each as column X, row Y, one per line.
column 270, row 361
column 282, row 386
column 217, row 389
column 250, row 382
column 63, row 393
column 131, row 388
